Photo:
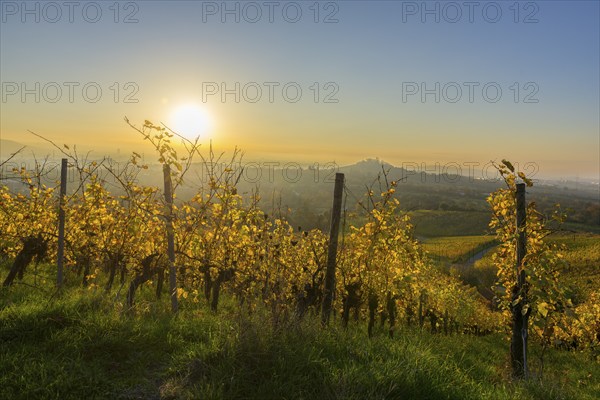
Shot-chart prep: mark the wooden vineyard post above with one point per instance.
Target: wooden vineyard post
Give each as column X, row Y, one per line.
column 332, row 249
column 518, row 345
column 61, row 223
column 170, row 237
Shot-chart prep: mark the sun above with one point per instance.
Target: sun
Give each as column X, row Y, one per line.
column 190, row 121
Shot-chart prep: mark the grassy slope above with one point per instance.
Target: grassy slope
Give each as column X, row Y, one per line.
column 583, row 255
column 78, row 347
column 430, row 223
column 582, row 252
column 438, row 223
column 457, row 249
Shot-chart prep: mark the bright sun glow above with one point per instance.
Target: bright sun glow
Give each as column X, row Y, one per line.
column 190, row 121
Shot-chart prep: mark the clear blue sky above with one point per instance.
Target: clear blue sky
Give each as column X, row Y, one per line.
column 371, row 54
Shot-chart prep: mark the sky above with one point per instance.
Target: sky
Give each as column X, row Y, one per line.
column 432, row 83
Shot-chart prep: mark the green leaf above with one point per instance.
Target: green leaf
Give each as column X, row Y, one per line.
column 508, row 165
column 527, row 181
column 543, row 309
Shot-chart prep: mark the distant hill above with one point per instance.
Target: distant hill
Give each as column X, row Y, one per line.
column 40, row 150
column 8, row 147
column 370, row 165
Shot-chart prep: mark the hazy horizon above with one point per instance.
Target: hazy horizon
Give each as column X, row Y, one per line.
column 474, row 169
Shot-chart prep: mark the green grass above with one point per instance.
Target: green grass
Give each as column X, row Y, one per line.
column 581, row 228
column 583, row 256
column 430, row 223
column 439, row 223
column 78, row 345
column 581, row 251
column 457, row 249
